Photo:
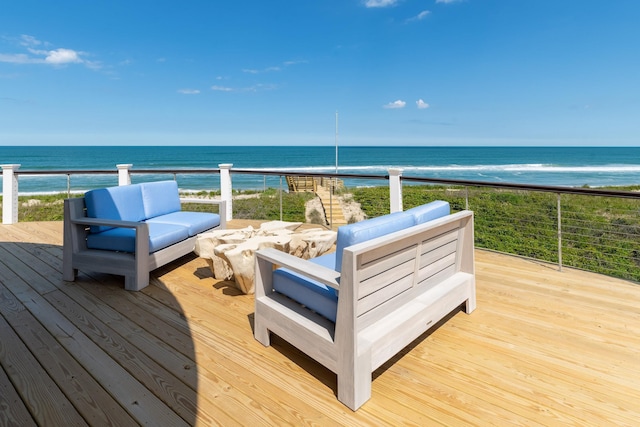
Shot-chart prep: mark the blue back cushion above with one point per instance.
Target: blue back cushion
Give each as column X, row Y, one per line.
column 123, row 203
column 366, row 230
column 429, row 211
column 160, row 198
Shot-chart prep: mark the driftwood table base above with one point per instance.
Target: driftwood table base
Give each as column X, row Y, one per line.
column 231, row 253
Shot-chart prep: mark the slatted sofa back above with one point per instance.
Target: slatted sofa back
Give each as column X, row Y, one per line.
column 393, row 270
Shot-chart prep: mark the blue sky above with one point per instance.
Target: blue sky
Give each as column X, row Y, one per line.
column 256, row 72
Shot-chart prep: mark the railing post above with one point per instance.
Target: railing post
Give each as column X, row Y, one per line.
column 124, row 177
column 330, row 203
column 280, row 197
column 559, row 233
column 9, row 194
column 395, row 190
column 226, row 189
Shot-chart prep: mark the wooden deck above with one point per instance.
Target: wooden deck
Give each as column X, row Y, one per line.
column 543, row 348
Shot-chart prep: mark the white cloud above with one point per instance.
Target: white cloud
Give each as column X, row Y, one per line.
column 16, row 58
column 421, row 104
column 396, row 104
column 274, row 68
column 255, row 88
column 420, row 16
column 55, row 57
column 448, row 1
column 63, row 56
column 265, row 70
column 290, row 63
column 189, row 91
column 29, row 41
column 380, row 3
column 221, row 88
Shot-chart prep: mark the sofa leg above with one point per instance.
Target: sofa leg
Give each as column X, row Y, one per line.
column 261, row 333
column 470, row 303
column 136, row 283
column 354, row 385
column 69, row 274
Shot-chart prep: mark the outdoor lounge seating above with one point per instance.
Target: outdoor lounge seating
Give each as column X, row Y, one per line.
column 130, row 230
column 390, row 280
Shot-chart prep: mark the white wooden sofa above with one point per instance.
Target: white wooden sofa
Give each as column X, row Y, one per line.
column 131, row 230
column 403, row 277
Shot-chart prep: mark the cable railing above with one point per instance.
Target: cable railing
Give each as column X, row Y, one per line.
column 595, row 229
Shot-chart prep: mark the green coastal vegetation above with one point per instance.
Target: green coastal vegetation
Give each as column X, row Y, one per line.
column 600, row 234
column 262, row 205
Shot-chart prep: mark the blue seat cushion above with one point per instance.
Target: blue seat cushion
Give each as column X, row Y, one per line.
column 160, row 198
column 195, row 222
column 123, row 239
column 429, row 211
column 120, row 203
column 310, row 293
column 362, row 231
column 326, row 260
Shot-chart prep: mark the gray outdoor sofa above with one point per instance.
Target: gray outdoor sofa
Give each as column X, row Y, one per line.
column 131, row 230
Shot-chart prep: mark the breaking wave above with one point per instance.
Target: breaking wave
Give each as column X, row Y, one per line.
column 511, row 168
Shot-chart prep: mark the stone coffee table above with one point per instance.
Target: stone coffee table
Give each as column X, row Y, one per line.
column 231, row 253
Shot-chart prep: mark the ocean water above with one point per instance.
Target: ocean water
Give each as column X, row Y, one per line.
column 562, row 166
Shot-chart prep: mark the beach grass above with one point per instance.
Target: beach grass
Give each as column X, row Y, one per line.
column 263, row 205
column 599, row 234
column 259, row 205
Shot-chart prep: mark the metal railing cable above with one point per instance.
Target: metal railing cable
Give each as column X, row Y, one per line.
column 595, row 229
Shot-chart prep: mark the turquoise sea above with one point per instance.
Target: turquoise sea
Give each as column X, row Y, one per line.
column 562, row 166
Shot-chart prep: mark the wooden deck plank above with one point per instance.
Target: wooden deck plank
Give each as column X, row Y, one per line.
column 91, row 400
column 564, row 393
column 173, row 392
column 14, row 262
column 39, row 392
column 13, row 412
column 176, row 394
column 131, row 394
column 543, row 348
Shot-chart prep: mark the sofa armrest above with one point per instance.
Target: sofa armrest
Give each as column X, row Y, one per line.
column 204, row 201
column 304, row 267
column 107, row 222
column 141, row 230
column 222, row 207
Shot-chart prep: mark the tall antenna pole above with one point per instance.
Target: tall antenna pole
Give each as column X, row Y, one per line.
column 336, row 142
